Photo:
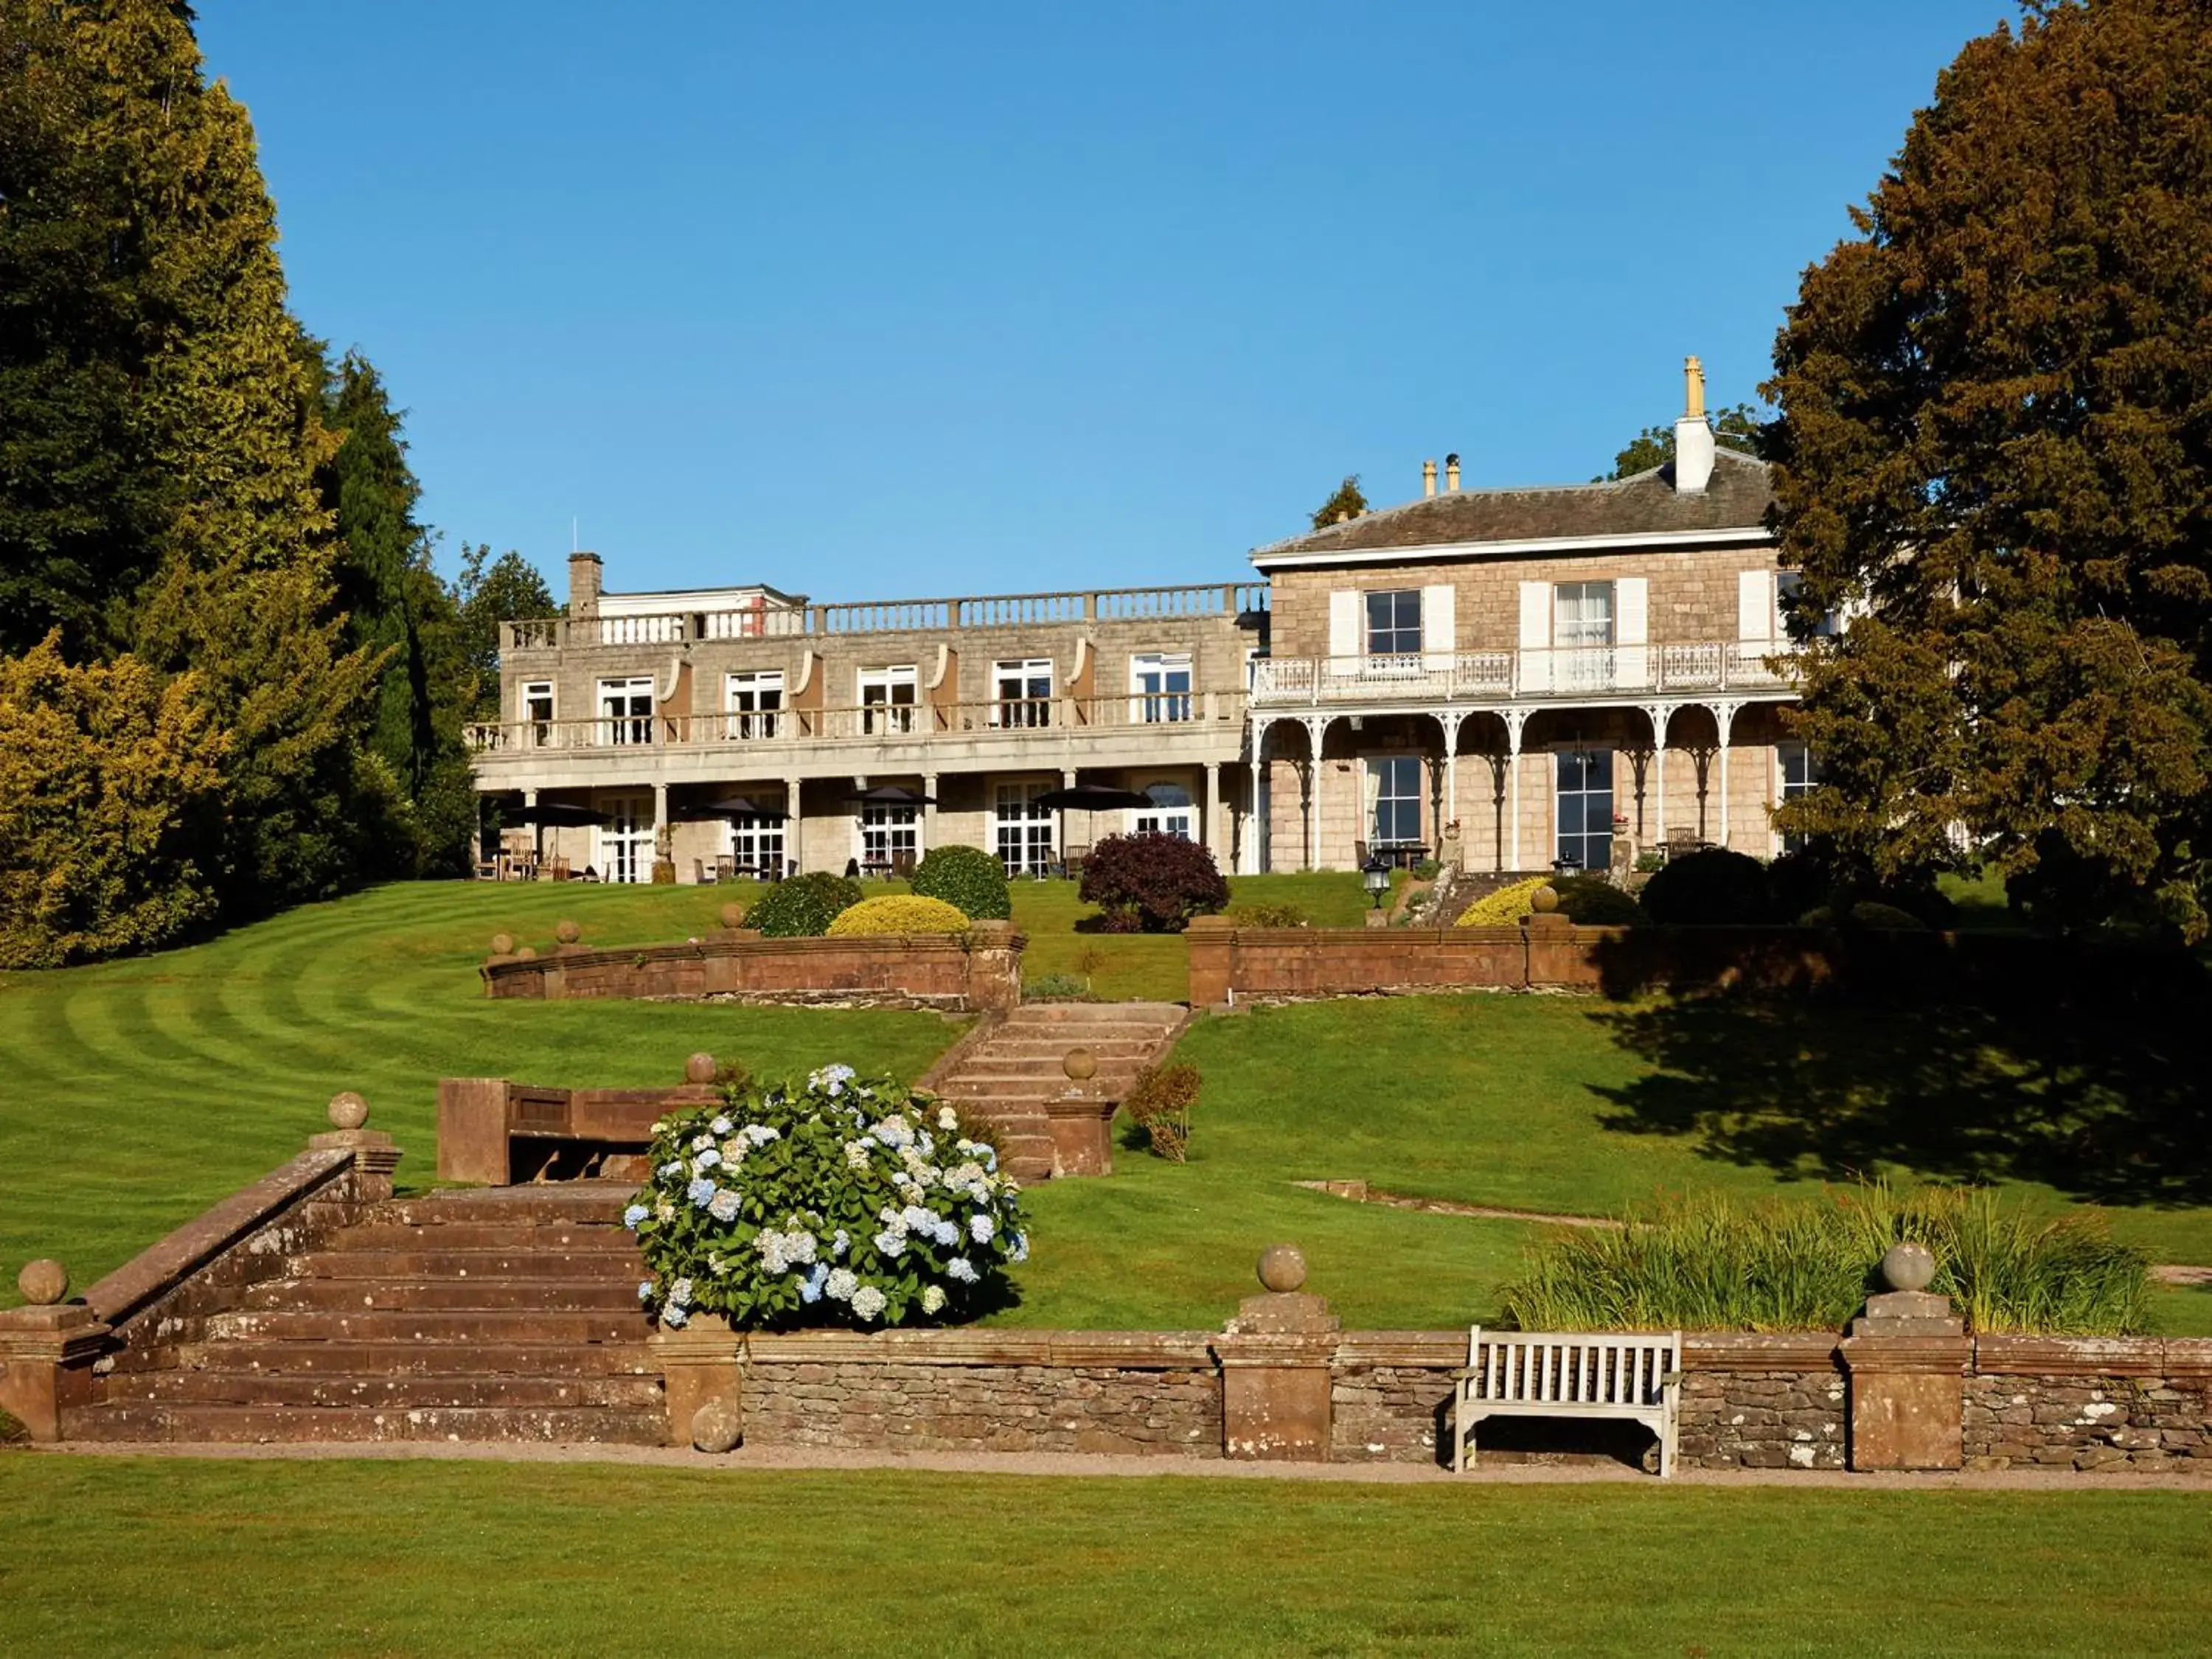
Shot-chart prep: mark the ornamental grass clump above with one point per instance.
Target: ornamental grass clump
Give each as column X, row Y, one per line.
column 843, row 1200
column 1714, row 1262
column 898, row 913
column 1504, row 908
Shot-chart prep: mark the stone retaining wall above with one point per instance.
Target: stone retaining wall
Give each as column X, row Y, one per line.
column 2086, row 1404
column 978, row 971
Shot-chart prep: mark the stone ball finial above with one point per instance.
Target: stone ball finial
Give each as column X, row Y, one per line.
column 502, row 945
column 1282, row 1267
column 567, row 931
column 348, row 1110
column 1908, row 1267
column 733, row 916
column 527, row 952
column 700, row 1067
column 717, row 1427
column 1080, row 1064
column 43, row 1282
column 1544, row 901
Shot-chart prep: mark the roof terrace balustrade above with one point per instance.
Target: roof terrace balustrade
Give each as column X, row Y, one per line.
column 1535, row 674
column 947, row 616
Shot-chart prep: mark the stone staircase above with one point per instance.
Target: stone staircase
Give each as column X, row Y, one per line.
column 503, row 1314
column 1008, row 1076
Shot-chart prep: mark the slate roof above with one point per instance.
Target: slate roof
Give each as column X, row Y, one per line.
column 1645, row 504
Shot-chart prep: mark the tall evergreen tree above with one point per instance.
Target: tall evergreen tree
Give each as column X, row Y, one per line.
column 1997, row 443
column 494, row 591
column 1737, row 428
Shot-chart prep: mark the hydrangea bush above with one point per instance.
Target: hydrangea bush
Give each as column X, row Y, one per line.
column 841, row 1201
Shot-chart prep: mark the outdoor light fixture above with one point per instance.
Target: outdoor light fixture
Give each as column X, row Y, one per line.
column 1377, row 876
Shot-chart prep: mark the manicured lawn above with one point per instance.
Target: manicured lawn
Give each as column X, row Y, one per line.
column 136, row 1093
column 100, row 1555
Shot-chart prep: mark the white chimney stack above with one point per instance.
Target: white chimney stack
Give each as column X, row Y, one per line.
column 1693, row 437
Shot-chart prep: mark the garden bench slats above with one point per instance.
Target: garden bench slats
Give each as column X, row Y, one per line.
column 1565, row 1374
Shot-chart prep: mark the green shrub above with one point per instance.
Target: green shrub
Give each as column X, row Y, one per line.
column 1054, row 987
column 1594, row 902
column 967, row 878
column 1715, row 888
column 1796, row 883
column 805, row 906
column 897, row 913
column 1866, row 912
column 1267, row 916
column 1718, row 1262
column 844, row 1201
column 1427, row 870
column 1160, row 1103
column 1504, row 907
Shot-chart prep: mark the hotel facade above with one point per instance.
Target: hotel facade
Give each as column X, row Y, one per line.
column 1514, row 679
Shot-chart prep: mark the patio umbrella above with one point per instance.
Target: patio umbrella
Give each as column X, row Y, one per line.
column 735, row 806
column 891, row 794
column 1089, row 798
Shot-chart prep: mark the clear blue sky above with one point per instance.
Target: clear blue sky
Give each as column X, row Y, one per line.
column 881, row 300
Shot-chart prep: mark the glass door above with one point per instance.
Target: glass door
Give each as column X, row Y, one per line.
column 1585, row 809
column 890, row 838
column 1171, row 813
column 756, row 844
column 1023, row 828
column 1023, row 692
column 626, row 711
column 1395, row 788
column 626, row 838
column 752, row 701
column 887, row 700
column 1161, row 680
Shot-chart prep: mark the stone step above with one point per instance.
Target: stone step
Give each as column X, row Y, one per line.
column 578, row 1425
column 557, row 1296
column 240, row 1387
column 1094, row 1013
column 298, row 1358
column 997, row 1063
column 592, row 1263
column 613, row 1239
column 576, row 1203
column 984, row 1090
column 475, row 1325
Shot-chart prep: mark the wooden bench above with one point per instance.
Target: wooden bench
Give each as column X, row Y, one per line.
column 1638, row 1378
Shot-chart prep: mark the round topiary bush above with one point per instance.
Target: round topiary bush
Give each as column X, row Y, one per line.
column 843, row 1201
column 967, row 878
column 1707, row 890
column 1505, row 907
column 805, row 906
column 898, row 913
column 1796, row 883
column 1593, row 902
column 1153, row 884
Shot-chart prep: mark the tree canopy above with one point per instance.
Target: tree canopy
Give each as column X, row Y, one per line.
column 1996, row 452
column 1348, row 502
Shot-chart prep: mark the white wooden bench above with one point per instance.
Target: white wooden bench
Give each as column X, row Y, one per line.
column 1569, row 1374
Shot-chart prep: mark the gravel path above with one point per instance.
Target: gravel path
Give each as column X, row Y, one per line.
column 1098, row 1466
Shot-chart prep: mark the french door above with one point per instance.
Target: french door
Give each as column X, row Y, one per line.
column 626, row 838
column 1023, row 828
column 1171, row 813
column 889, row 835
column 1584, row 804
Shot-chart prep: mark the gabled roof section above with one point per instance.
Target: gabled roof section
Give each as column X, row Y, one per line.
column 1645, row 505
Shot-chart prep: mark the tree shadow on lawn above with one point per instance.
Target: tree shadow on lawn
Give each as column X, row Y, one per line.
column 2095, row 1080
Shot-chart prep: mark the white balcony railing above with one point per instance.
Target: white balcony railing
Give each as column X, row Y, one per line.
column 1552, row 672
column 1008, row 720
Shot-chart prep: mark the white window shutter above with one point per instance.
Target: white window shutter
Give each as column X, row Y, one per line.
column 1755, row 606
column 1344, row 639
column 1631, row 630
column 1535, row 673
column 1439, row 625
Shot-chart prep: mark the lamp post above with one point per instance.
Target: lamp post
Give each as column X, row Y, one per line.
column 1377, row 874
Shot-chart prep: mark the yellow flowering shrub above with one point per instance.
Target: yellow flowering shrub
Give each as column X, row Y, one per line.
column 898, row 913
column 1504, row 907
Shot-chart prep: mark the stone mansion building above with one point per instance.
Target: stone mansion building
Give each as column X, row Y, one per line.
column 1513, row 678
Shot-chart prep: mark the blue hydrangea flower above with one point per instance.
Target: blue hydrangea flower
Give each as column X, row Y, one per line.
column 720, row 1126
column 962, row 1269
column 1021, row 1252
column 671, row 1170
column 632, row 1216
column 645, row 1290
column 809, row 1288
column 702, row 1192
column 674, row 1317
column 707, row 1160
column 841, row 1243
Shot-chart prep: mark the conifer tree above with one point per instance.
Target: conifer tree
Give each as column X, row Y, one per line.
column 1995, row 444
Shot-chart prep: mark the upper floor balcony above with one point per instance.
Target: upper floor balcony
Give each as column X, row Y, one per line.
column 1551, row 673
column 889, row 730
column 948, row 616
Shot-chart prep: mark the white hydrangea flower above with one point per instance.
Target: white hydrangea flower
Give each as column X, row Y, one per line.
column 724, row 1206
column 841, row 1284
column 856, row 1154
column 947, row 1119
column 980, row 1227
column 932, row 1298
column 868, row 1302
column 701, row 1143
column 720, row 1126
